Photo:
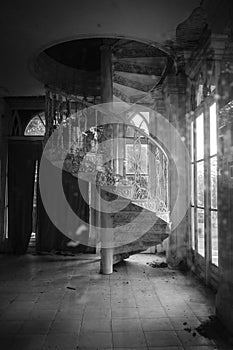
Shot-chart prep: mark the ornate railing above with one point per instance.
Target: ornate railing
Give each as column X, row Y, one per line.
column 142, row 175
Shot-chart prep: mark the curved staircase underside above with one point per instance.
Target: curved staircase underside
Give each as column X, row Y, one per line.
column 74, row 68
column 156, row 234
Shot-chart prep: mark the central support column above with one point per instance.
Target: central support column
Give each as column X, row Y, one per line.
column 106, row 266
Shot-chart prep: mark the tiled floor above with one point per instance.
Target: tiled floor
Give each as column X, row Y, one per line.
column 56, row 302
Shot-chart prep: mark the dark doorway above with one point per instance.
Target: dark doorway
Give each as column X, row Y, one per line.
column 23, row 155
column 30, row 228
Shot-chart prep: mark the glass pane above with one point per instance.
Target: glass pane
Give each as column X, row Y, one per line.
column 200, row 137
column 130, row 131
column 140, row 123
column 201, row 232
column 200, row 184
column 192, row 184
column 213, row 182
column 199, row 94
column 192, row 142
column 192, row 228
column 36, row 127
column 144, row 160
column 146, row 115
column 136, row 160
column 137, row 120
column 144, row 127
column 213, row 129
column 214, row 236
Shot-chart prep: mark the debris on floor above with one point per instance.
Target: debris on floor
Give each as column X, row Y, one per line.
column 158, row 265
column 188, row 329
column 64, row 253
column 213, row 329
column 72, row 288
column 79, row 297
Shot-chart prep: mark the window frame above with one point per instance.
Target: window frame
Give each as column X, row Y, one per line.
column 129, row 140
column 209, row 262
column 41, row 118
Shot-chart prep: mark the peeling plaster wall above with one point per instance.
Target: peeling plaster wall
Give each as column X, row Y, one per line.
column 175, row 100
column 224, row 299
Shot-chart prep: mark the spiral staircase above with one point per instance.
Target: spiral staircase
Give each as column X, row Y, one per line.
column 138, row 69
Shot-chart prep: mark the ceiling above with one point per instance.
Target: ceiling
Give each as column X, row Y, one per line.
column 74, row 67
column 29, row 27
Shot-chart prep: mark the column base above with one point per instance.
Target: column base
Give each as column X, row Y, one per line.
column 106, row 263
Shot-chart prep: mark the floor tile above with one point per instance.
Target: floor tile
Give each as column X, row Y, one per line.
column 180, row 323
column 162, row 338
column 9, row 327
column 14, row 315
column 65, row 326
column 129, row 339
column 28, row 342
column 151, row 312
column 68, row 315
column 138, row 307
column 24, row 306
column 120, row 302
column 60, row 341
column 27, row 297
column 96, row 313
column 95, row 340
column 42, row 314
column 156, row 324
column 127, row 312
column 96, row 325
column 126, row 325
column 35, row 327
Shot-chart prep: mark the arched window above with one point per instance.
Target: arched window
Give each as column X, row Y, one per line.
column 141, row 121
column 136, row 148
column 36, row 126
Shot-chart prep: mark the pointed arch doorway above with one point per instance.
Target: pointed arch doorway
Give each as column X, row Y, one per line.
column 27, row 218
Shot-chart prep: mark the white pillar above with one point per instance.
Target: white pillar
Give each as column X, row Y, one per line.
column 106, row 266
